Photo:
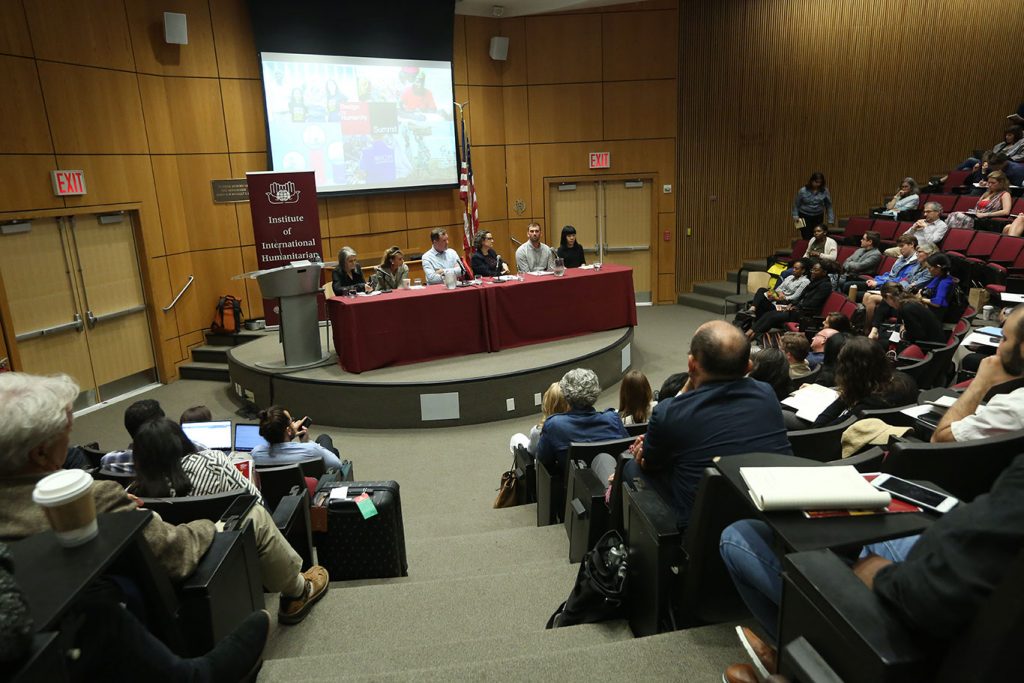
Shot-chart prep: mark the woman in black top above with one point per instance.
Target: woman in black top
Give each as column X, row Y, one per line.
column 570, row 250
column 347, row 273
column 485, row 261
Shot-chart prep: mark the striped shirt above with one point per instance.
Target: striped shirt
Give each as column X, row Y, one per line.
column 212, row 472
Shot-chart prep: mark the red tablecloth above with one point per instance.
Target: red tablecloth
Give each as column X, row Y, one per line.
column 417, row 325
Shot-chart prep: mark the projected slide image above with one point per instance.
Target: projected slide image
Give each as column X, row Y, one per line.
column 361, row 124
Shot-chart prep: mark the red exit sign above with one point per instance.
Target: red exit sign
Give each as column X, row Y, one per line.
column 600, row 160
column 67, row 183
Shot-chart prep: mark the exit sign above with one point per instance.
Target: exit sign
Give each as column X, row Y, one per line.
column 66, row 183
column 600, row 160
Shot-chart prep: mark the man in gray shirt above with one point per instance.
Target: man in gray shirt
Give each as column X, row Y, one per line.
column 534, row 255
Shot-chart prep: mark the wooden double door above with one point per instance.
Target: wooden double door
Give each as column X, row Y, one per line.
column 613, row 221
column 74, row 292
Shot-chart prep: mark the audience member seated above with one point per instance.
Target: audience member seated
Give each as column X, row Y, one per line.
column 931, row 228
column 834, row 323
column 581, row 423
column 1016, row 228
column 917, row 322
column 937, row 293
column 796, row 347
column 788, row 291
column 905, row 263
column 913, row 273
column 827, row 375
column 864, row 261
column 821, row 246
column 811, row 204
column 720, row 412
column 552, row 403
column 865, row 380
column 348, row 275
column 278, row 429
column 391, row 271
column 1012, row 146
column 169, row 465
column 134, row 416
column 672, row 385
column 809, row 305
column 994, row 203
column 771, row 367
column 906, row 198
column 636, row 400
column 486, row 262
column 966, row 419
column 35, row 426
column 936, row 582
column 570, row 250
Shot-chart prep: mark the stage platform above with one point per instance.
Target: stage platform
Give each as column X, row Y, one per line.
column 463, row 390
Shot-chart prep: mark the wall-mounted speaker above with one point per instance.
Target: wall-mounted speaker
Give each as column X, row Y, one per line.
column 499, row 48
column 175, row 28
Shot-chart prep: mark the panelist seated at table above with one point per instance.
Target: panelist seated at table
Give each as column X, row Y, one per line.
column 486, row 262
column 278, row 428
column 348, row 274
column 440, row 258
column 570, row 250
column 534, row 256
column 391, row 271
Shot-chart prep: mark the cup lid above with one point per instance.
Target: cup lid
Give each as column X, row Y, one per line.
column 61, row 486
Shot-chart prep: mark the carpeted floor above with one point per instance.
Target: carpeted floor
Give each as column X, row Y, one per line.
column 481, row 582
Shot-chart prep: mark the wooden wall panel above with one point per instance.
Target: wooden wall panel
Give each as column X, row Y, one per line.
column 26, row 182
column 371, row 247
column 243, row 106
column 564, row 113
column 514, row 70
column 480, row 68
column 563, row 48
column 489, row 172
column 348, row 215
column 240, row 164
column 517, row 181
column 789, row 88
column 516, row 115
column 93, row 111
column 433, row 208
column 190, row 218
column 386, row 212
column 213, row 270
column 666, row 249
column 236, row 50
column 253, row 297
column 14, row 36
column 639, row 109
column 93, row 33
column 640, row 45
column 21, row 109
column 153, row 55
column 183, row 115
column 161, row 293
column 486, row 116
column 459, row 64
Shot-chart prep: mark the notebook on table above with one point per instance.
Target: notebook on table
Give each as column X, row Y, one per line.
column 212, row 435
column 247, row 437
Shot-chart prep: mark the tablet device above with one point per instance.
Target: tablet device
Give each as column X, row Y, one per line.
column 212, row 435
column 247, row 437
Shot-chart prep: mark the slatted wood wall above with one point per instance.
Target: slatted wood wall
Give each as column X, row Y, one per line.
column 866, row 91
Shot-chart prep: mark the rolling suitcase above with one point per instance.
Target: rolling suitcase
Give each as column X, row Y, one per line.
column 358, row 547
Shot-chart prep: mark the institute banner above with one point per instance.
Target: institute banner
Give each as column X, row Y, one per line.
column 285, row 222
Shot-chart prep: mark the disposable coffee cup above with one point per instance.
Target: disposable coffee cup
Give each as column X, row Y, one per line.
column 406, row 283
column 988, row 312
column 66, row 499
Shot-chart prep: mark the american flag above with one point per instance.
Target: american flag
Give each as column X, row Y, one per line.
column 467, row 193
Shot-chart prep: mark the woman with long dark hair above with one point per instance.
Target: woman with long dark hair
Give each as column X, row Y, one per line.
column 167, row 465
column 570, row 250
column 811, row 204
column 771, row 367
column 865, row 380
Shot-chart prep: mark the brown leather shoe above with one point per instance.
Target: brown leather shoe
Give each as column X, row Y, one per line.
column 293, row 610
column 740, row 673
column 763, row 655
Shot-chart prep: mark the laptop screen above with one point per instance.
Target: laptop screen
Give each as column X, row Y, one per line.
column 214, row 435
column 247, row 437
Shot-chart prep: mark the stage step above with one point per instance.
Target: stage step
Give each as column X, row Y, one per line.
column 225, row 339
column 718, row 289
column 704, row 302
column 211, row 353
column 217, row 372
column 210, row 361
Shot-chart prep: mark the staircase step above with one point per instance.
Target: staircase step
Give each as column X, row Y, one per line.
column 703, row 302
column 717, row 288
column 217, row 372
column 757, row 264
column 211, row 353
column 653, row 658
column 237, row 339
column 381, row 656
column 407, row 614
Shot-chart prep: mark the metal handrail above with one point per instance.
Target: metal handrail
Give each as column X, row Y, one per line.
column 191, row 279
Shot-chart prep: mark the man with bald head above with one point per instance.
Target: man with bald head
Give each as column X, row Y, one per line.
column 720, row 411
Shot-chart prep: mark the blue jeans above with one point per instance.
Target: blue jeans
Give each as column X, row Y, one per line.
column 746, row 548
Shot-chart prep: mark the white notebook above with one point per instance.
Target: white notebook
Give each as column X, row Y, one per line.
column 810, row 401
column 811, row 488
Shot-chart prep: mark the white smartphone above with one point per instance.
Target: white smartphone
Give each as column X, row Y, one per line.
column 915, row 493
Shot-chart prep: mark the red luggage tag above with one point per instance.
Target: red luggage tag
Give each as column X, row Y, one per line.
column 365, row 505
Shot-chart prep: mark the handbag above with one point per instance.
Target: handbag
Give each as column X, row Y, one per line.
column 508, row 489
column 599, row 593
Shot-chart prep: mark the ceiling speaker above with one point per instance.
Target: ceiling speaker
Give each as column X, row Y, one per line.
column 499, row 48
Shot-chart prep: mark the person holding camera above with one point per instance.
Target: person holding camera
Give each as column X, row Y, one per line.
column 279, row 430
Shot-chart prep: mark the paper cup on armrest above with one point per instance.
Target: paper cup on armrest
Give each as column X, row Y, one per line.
column 66, row 499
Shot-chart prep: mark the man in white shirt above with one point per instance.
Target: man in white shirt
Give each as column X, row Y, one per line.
column 440, row 258
column 534, row 256
column 965, row 420
column 931, row 228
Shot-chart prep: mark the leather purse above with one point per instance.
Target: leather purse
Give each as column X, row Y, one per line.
column 508, row 489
